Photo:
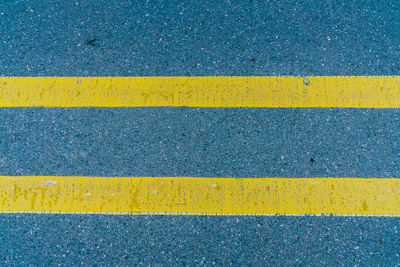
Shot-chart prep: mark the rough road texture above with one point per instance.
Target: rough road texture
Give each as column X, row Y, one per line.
column 99, row 38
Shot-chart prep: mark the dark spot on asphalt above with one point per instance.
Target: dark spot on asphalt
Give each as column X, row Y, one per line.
column 312, row 160
column 92, row 42
column 253, row 60
column 380, row 241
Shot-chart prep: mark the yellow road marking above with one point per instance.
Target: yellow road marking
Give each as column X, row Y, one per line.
column 335, row 91
column 192, row 195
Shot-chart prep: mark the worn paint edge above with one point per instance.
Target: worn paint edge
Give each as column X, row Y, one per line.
column 201, row 196
column 239, row 91
column 201, row 214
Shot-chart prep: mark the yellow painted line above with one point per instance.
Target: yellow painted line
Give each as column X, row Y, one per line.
column 201, row 196
column 335, row 91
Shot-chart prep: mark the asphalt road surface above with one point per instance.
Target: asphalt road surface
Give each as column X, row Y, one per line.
column 198, row 38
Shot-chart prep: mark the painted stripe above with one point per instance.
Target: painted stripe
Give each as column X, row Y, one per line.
column 189, row 195
column 350, row 92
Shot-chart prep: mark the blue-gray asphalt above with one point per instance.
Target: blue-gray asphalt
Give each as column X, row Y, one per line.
column 217, row 142
column 137, row 38
column 198, row 240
